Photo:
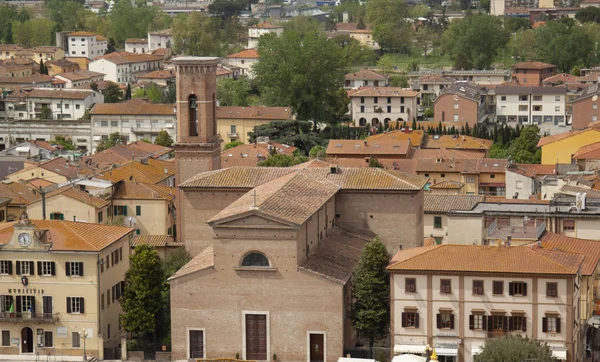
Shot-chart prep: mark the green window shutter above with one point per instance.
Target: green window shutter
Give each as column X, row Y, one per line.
column 138, row 210
column 125, row 210
column 62, row 216
column 137, row 231
column 51, row 216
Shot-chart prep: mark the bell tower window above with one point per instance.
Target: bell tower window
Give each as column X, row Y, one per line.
column 193, row 115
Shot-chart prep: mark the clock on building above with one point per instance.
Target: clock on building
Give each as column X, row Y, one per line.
column 24, row 239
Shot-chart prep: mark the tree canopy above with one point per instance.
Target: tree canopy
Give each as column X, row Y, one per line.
column 390, row 29
column 588, row 14
column 233, row 92
column 371, row 290
column 283, row 160
column 469, row 44
column 163, row 139
column 297, row 133
column 514, row 348
column 112, row 93
column 112, row 140
column 304, row 71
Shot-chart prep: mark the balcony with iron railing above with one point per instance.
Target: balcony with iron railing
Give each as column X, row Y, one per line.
column 233, row 135
column 530, row 229
column 16, row 317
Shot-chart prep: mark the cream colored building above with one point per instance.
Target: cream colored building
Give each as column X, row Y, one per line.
column 377, row 106
column 8, row 51
column 244, row 61
column 59, row 283
column 72, row 204
column 234, row 123
column 531, row 105
column 455, row 307
column 57, row 170
column 148, row 208
column 258, row 30
column 436, row 208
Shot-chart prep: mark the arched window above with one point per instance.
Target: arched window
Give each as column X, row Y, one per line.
column 193, row 115
column 255, row 259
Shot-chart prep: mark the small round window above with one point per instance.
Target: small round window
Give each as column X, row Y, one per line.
column 255, row 259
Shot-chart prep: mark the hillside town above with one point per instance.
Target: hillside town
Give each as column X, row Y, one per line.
column 299, row 180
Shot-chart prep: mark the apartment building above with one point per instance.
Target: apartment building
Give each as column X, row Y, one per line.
column 257, row 30
column 72, row 204
column 531, row 105
column 560, row 148
column 86, row 44
column 377, row 106
column 79, row 78
column 57, row 170
column 436, row 208
column 137, row 45
column 160, row 39
column 479, row 77
column 134, row 122
column 62, row 280
column 234, row 123
column 430, row 87
column 68, row 104
column 60, row 66
column 8, row 51
column 494, row 291
column 365, row 78
column 585, row 107
column 124, row 67
column 460, row 103
column 532, row 73
column 9, row 68
column 243, row 61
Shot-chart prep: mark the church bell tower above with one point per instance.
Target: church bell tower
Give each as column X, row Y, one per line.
column 198, row 147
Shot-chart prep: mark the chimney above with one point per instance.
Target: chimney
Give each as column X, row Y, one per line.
column 365, row 143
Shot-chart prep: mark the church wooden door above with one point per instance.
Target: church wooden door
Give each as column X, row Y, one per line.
column 256, row 337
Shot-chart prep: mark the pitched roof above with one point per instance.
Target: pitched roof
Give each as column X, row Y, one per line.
column 61, row 166
column 466, row 90
column 78, row 195
column 588, row 152
column 292, row 198
column 28, row 80
column 447, row 154
column 368, row 178
column 574, row 190
column 561, row 136
column 158, row 74
column 9, row 47
column 254, row 112
column 428, row 79
column 589, row 248
column 561, row 78
column 40, row 182
column 367, row 148
column 520, row 89
column 591, row 91
column 460, row 142
column 415, row 136
column 81, row 33
column 161, row 32
column 202, row 261
column 485, row 259
column 150, row 148
column 383, row 92
column 266, row 25
column 336, row 257
column 136, row 41
column 533, row 65
column 81, row 74
column 43, row 145
column 117, row 155
column 531, row 170
column 156, row 241
column 133, row 190
column 19, row 192
column 153, row 172
column 251, row 155
column 445, row 203
column 60, row 93
column 71, row 235
column 365, row 74
column 448, row 185
column 246, row 54
column 126, row 57
column 164, row 109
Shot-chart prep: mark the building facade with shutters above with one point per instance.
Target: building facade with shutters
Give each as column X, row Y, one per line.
column 60, row 283
column 496, row 291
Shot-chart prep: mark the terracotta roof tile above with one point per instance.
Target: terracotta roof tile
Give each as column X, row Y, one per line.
column 59, row 93
column 292, row 198
column 383, row 92
column 336, row 257
column 80, row 75
column 150, row 148
column 251, row 155
column 368, row 148
column 460, row 142
column 428, row 79
column 448, row 185
column 485, row 259
column 58, row 165
column 589, row 152
column 561, row 136
column 415, row 136
column 72, row 236
column 445, row 203
column 202, row 261
column 136, row 41
column 155, row 240
column 78, row 195
column 245, row 54
column 43, row 145
column 126, row 58
column 132, row 190
column 158, row 74
column 20, row 192
column 270, row 113
column 533, row 65
column 447, row 154
column 81, row 33
column 574, row 190
column 531, row 170
column 153, row 172
column 589, row 248
column 365, row 74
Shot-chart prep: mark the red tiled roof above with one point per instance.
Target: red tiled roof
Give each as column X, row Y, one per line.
column 245, row 54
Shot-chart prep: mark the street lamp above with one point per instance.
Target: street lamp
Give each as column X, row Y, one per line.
column 84, row 336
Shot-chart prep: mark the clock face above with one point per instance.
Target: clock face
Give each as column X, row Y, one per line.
column 24, row 239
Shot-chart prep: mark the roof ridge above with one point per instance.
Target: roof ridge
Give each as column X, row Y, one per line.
column 554, row 261
column 431, row 248
column 68, row 224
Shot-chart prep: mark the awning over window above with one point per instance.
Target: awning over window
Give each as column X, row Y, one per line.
column 559, row 354
column 97, row 138
column 23, row 149
column 409, row 348
column 446, row 351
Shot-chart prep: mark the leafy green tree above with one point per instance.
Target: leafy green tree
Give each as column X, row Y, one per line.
column 171, row 95
column 513, row 24
column 233, row 144
column 233, row 92
column 65, row 142
column 297, row 133
column 226, row 8
column 34, row 32
column 45, row 113
column 143, row 301
column 354, row 52
column 302, row 25
column 67, row 14
column 318, row 152
column 120, row 26
column 112, row 93
column 561, row 43
column 94, row 86
column 514, row 348
column 588, row 14
column 390, row 29
column 468, row 42
column 8, row 14
column 371, row 290
column 128, row 92
column 151, row 91
column 398, row 81
column 301, row 71
column 194, row 34
column 163, row 139
column 385, row 64
column 282, row 160
column 524, row 148
column 374, row 162
column 112, row 140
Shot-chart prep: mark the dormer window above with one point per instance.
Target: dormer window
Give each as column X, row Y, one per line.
column 255, row 259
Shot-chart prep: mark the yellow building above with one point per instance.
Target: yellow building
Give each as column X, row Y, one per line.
column 148, row 208
column 70, row 203
column 234, row 123
column 561, row 147
column 20, row 194
column 8, row 51
column 47, row 52
column 57, row 170
column 60, row 286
